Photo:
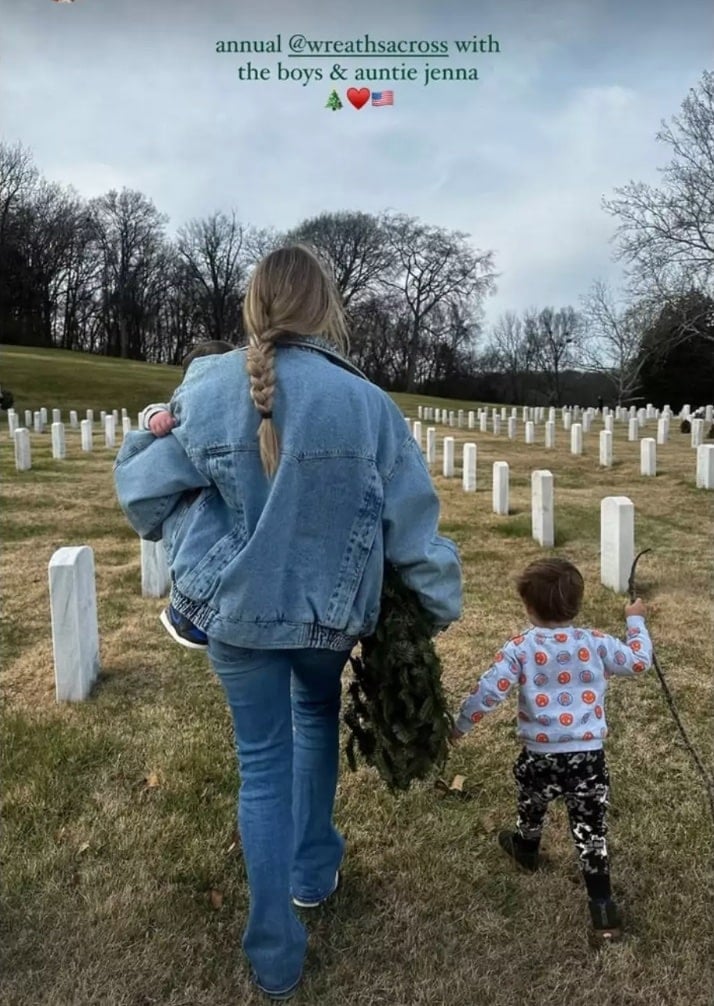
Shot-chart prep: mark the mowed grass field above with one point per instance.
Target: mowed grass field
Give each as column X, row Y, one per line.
column 121, row 881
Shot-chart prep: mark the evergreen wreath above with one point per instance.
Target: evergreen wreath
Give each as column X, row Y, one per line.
column 397, row 714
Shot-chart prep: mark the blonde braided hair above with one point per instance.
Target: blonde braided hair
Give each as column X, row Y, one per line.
column 290, row 292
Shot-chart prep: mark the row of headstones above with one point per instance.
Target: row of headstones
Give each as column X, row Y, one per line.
column 73, row 599
column 648, row 453
column 576, row 429
column 536, row 414
column 38, row 420
column 23, row 448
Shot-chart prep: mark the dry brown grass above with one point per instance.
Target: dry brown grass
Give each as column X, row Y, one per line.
column 107, row 877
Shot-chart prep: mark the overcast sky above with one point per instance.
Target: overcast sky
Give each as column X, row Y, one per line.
column 132, row 93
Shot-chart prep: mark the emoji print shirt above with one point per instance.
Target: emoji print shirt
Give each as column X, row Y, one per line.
column 562, row 676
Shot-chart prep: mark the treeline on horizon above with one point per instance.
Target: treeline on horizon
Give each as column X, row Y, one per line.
column 105, row 276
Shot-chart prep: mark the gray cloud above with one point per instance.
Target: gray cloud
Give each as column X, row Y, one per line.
column 134, row 94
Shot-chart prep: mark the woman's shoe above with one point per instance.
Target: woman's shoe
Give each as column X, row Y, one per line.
column 277, row 996
column 300, row 903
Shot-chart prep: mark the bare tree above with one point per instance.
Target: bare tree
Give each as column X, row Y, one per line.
column 433, row 268
column 128, row 232
column 613, row 343
column 513, row 352
column 353, row 245
column 553, row 338
column 18, row 177
column 666, row 232
column 214, row 251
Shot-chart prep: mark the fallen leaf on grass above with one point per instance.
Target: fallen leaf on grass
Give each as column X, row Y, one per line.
column 152, row 780
column 83, row 848
column 216, row 898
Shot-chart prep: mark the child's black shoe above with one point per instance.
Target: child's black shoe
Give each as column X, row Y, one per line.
column 182, row 630
column 513, row 845
column 607, row 922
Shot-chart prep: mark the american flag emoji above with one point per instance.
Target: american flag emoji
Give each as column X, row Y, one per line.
column 382, row 98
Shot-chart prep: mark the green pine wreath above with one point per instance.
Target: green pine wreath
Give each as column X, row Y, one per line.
column 397, row 713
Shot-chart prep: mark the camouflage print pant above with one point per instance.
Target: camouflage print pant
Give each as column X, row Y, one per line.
column 581, row 778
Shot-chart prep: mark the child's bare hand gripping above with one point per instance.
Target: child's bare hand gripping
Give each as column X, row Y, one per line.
column 636, row 608
column 161, row 423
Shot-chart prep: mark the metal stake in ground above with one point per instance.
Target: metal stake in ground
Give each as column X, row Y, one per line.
column 668, row 696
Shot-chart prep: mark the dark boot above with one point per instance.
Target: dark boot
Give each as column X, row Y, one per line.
column 607, row 922
column 525, row 854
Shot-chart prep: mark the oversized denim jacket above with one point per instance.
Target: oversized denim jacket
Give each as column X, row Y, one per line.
column 296, row 561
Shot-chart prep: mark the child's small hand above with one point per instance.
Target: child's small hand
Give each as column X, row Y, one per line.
column 636, row 608
column 161, row 423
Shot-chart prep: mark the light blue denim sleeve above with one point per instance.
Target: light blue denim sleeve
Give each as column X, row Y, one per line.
column 427, row 562
column 151, row 474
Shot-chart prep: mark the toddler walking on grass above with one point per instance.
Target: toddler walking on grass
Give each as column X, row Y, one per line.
column 562, row 673
column 157, row 419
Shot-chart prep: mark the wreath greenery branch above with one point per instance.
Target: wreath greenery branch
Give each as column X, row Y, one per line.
column 397, row 712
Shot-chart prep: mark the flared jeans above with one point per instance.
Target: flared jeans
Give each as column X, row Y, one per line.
column 285, row 706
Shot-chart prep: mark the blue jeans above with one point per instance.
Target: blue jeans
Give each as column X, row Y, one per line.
column 285, row 706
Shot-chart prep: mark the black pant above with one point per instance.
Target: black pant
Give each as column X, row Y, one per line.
column 582, row 779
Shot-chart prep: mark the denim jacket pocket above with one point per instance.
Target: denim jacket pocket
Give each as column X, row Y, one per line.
column 195, row 500
column 354, row 560
column 201, row 582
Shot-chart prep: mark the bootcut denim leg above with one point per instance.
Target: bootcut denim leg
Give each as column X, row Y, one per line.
column 288, row 774
column 319, row 847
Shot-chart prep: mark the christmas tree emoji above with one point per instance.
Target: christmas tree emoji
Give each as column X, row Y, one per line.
column 334, row 102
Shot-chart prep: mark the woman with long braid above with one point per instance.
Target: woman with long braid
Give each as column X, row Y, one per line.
column 310, row 482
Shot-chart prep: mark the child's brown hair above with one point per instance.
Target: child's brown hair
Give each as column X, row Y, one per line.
column 552, row 589
column 212, row 347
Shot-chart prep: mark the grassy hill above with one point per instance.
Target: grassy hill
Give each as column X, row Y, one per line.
column 56, row 378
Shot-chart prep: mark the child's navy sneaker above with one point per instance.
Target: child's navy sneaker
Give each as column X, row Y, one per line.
column 183, row 631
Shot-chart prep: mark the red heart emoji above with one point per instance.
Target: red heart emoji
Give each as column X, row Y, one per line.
column 358, row 96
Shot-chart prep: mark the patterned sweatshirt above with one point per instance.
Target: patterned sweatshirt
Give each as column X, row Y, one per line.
column 562, row 675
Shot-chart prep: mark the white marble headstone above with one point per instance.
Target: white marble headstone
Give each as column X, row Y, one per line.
column 500, row 487
column 469, row 468
column 23, row 452
column 448, row 468
column 606, row 448
column 155, row 578
column 617, row 541
column 86, row 434
column 648, row 456
column 75, row 633
column 705, row 466
column 542, row 507
column 58, row 445
column 431, row 445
